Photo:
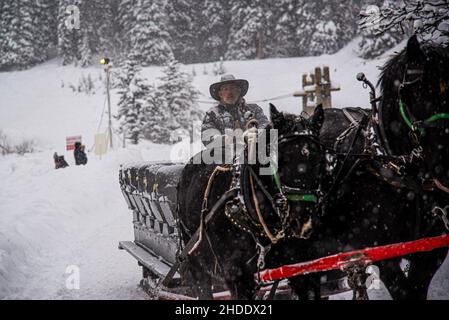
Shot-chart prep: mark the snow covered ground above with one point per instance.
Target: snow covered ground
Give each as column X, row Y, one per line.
column 51, row 219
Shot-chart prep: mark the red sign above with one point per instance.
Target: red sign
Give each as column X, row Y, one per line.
column 70, row 141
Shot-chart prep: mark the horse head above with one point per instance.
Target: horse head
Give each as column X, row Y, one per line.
column 415, row 106
column 296, row 175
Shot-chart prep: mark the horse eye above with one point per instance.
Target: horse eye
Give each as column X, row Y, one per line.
column 305, row 151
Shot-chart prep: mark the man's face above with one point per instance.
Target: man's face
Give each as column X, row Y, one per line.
column 230, row 93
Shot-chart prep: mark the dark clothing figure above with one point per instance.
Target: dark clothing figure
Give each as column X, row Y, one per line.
column 60, row 162
column 226, row 116
column 223, row 117
column 80, row 154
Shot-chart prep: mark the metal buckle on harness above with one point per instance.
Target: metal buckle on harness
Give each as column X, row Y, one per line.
column 413, row 135
column 416, row 153
column 397, row 168
column 281, row 203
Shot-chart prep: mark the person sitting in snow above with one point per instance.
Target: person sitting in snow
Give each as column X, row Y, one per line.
column 60, row 162
column 80, row 154
column 232, row 112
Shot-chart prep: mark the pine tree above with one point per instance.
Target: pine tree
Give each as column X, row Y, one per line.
column 193, row 30
column 85, row 50
column 429, row 19
column 5, row 21
column 212, row 25
column 333, row 25
column 95, row 35
column 324, row 38
column 372, row 44
column 180, row 97
column 180, row 24
column 156, row 129
column 91, row 13
column 46, row 34
column 126, row 21
column 89, row 37
column 19, row 45
column 106, row 24
column 248, row 33
column 132, row 104
column 127, row 71
column 286, row 34
column 69, row 37
column 150, row 38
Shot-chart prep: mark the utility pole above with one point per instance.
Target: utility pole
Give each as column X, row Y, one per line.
column 108, row 66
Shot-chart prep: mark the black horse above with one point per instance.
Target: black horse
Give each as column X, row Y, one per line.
column 415, row 121
column 272, row 213
column 387, row 196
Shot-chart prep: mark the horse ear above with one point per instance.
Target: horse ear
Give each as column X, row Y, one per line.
column 277, row 117
column 317, row 119
column 414, row 52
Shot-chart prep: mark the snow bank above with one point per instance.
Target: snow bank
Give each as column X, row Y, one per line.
column 52, row 219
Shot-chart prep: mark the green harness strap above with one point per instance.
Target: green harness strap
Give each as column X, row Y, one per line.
column 440, row 116
column 407, row 119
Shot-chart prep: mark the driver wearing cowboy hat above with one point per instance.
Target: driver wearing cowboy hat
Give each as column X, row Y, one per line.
column 232, row 112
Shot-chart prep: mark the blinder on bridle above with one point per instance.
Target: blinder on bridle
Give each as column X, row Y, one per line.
column 291, row 193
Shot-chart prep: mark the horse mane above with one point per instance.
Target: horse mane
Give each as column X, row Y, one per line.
column 392, row 68
column 437, row 57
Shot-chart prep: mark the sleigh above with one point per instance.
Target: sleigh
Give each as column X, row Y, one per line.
column 150, row 190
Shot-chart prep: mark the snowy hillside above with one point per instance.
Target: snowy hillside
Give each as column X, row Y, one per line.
column 52, row 219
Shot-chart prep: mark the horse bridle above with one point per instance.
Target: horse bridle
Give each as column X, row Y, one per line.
column 279, row 201
column 291, row 193
column 418, row 127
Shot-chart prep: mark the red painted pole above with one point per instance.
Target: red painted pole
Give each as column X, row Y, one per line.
column 366, row 256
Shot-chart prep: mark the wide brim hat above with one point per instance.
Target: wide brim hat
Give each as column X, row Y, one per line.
column 228, row 79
